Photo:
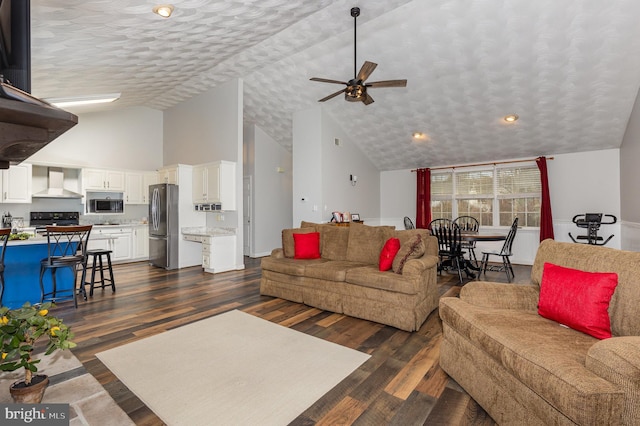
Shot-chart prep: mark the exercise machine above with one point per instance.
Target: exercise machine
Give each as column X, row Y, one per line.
column 591, row 222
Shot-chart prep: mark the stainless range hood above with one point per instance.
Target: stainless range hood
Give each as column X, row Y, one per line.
column 55, row 188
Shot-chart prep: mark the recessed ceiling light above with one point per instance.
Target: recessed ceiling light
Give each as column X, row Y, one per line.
column 418, row 135
column 511, row 118
column 164, row 10
column 83, row 100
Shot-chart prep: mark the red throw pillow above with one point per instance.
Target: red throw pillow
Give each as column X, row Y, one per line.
column 306, row 246
column 577, row 299
column 388, row 253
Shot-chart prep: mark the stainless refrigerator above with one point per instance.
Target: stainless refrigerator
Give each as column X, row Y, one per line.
column 163, row 225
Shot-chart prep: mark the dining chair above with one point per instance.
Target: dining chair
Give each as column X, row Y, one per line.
column 4, row 237
column 468, row 224
column 66, row 248
column 504, row 253
column 449, row 246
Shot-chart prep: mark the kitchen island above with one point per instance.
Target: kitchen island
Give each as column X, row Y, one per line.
column 22, row 272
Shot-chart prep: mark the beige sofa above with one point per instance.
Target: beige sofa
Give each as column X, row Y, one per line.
column 346, row 278
column 526, row 369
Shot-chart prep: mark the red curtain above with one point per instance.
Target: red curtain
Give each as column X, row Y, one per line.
column 546, row 220
column 423, row 199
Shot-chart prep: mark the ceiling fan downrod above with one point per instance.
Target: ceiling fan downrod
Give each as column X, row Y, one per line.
column 355, row 12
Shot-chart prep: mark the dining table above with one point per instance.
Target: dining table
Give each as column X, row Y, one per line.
column 474, row 236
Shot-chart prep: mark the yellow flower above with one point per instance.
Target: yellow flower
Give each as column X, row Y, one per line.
column 54, row 329
column 44, row 312
column 4, row 355
column 5, row 320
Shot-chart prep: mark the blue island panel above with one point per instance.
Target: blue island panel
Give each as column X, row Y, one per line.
column 22, row 274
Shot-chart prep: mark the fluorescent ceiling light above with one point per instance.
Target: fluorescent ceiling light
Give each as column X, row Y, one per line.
column 83, row 100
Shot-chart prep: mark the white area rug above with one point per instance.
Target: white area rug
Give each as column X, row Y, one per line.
column 231, row 369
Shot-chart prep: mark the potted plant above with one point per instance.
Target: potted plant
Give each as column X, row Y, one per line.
column 20, row 329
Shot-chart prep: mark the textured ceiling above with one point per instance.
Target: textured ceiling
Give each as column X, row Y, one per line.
column 570, row 69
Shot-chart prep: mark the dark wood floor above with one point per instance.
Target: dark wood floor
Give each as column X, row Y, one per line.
column 402, row 383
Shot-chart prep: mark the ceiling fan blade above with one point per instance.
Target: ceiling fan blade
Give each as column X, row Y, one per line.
column 326, row 80
column 367, row 99
column 388, row 83
column 366, row 70
column 333, row 95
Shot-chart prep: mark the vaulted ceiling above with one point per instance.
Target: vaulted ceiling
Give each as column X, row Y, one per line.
column 570, row 69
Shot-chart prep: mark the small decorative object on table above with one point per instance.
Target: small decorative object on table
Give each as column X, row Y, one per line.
column 19, row 331
column 355, row 217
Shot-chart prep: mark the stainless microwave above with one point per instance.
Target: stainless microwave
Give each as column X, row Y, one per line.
column 106, row 206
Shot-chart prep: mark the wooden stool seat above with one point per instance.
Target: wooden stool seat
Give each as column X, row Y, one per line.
column 98, row 265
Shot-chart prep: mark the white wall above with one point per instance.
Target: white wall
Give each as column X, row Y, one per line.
column 321, row 171
column 206, row 128
column 338, row 163
column 585, row 182
column 629, row 178
column 272, row 194
column 125, row 139
column 579, row 183
column 307, row 166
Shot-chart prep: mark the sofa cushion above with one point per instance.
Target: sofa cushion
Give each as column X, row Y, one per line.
column 577, row 299
column 370, row 276
column 388, row 253
column 623, row 309
column 366, row 242
column 288, row 266
column 288, row 245
column 413, row 248
column 334, row 240
column 545, row 356
column 332, row 270
column 306, row 246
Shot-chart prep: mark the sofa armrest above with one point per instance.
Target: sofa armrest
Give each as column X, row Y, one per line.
column 278, row 253
column 418, row 266
column 501, row 295
column 617, row 360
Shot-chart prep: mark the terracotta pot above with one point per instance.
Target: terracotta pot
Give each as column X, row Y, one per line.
column 31, row 394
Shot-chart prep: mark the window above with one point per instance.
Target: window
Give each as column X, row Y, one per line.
column 494, row 196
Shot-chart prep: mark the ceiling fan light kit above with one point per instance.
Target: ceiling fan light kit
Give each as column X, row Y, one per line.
column 356, row 88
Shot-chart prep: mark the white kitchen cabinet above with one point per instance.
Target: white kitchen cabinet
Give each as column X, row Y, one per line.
column 117, row 239
column 103, row 180
column 215, row 183
column 141, row 242
column 168, row 175
column 133, row 188
column 137, row 186
column 148, row 179
column 16, row 184
column 219, row 253
column 122, row 244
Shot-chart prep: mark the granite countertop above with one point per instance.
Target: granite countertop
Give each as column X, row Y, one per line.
column 202, row 231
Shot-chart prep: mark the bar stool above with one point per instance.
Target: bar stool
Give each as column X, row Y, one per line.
column 98, row 264
column 66, row 248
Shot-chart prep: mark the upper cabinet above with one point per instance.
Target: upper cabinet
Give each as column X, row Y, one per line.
column 16, row 184
column 168, row 175
column 103, row 180
column 215, row 183
column 137, row 186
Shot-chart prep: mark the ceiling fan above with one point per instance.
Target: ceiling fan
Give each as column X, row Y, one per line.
column 356, row 88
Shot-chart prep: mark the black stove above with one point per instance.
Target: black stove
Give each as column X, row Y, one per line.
column 41, row 219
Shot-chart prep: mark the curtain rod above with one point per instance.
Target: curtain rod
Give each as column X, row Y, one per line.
column 483, row 164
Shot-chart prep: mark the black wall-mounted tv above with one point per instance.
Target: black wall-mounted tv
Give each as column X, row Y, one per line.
column 15, row 43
